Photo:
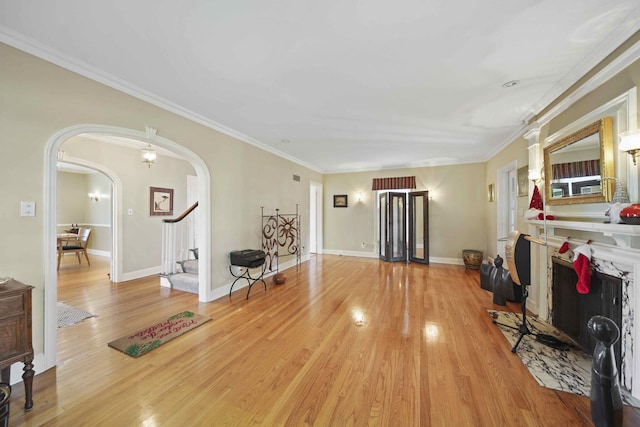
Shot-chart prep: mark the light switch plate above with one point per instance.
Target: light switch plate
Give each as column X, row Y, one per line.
column 27, row 208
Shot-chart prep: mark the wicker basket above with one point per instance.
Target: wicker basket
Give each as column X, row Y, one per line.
column 472, row 259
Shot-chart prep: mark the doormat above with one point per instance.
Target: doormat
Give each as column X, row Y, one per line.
column 68, row 315
column 145, row 340
column 564, row 370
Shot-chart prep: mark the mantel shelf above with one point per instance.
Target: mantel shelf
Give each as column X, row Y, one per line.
column 621, row 233
column 598, row 227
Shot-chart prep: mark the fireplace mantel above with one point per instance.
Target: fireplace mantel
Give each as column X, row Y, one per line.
column 625, row 235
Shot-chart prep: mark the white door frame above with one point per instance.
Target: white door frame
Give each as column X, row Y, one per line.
column 192, row 220
column 506, row 199
column 316, row 243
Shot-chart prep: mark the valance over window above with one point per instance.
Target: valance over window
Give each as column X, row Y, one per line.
column 576, row 169
column 395, row 183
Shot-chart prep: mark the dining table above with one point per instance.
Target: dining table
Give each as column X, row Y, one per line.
column 65, row 237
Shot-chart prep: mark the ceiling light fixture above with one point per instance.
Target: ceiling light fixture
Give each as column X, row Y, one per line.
column 630, row 142
column 148, row 156
column 511, row 83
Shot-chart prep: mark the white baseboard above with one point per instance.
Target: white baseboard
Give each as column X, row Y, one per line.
column 291, row 262
column 359, row 254
column 99, row 252
column 451, row 261
column 91, row 252
column 532, row 306
column 434, row 260
column 164, row 282
column 132, row 275
column 223, row 291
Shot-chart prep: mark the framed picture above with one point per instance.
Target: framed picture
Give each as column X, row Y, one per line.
column 523, row 179
column 160, row 201
column 340, row 201
column 490, row 193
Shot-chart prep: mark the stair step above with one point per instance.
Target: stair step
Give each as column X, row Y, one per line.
column 186, row 282
column 189, row 266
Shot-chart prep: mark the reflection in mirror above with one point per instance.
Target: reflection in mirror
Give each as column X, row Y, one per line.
column 419, row 227
column 576, row 165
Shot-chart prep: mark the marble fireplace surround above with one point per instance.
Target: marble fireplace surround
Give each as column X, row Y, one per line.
column 618, row 257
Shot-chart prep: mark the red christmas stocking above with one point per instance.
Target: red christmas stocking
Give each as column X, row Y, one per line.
column 581, row 262
column 564, row 247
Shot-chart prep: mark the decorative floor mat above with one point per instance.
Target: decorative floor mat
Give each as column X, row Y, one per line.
column 562, row 370
column 68, row 315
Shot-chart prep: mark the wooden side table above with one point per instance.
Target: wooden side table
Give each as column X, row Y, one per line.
column 15, row 334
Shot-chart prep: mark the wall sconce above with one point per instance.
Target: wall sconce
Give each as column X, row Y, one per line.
column 630, row 142
column 148, row 156
column 359, row 196
column 94, row 196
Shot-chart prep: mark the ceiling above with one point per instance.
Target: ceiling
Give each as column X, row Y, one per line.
column 337, row 86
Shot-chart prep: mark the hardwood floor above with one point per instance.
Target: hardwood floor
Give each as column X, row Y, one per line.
column 345, row 341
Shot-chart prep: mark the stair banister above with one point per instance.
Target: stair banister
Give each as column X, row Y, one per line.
column 175, row 244
column 182, row 216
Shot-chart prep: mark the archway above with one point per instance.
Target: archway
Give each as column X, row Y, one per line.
column 50, row 190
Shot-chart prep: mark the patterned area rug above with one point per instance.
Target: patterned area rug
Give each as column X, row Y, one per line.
column 568, row 370
column 145, row 340
column 68, row 315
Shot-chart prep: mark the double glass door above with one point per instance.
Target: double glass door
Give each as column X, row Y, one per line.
column 404, row 226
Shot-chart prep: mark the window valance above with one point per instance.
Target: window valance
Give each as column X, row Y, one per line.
column 576, row 169
column 394, row 183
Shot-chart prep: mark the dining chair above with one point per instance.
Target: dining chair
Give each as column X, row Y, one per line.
column 77, row 246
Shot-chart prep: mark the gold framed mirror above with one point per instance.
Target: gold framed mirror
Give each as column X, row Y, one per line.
column 576, row 165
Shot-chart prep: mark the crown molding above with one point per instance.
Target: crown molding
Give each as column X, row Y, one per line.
column 627, row 28
column 511, row 138
column 618, row 64
column 39, row 50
